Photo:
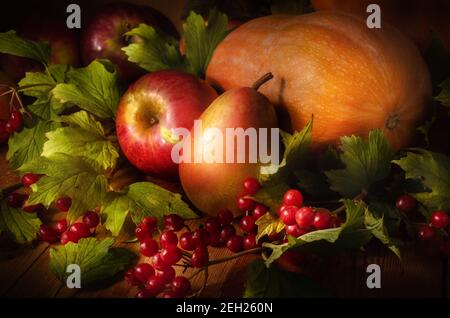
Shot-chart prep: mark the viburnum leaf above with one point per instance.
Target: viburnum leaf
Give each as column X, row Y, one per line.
column 115, row 209
column 268, row 224
column 351, row 234
column 76, row 177
column 11, row 43
column 366, row 161
column 151, row 199
column 84, row 136
column 26, row 146
column 271, row 194
column 97, row 259
column 155, row 51
column 438, row 61
column 375, row 223
column 296, row 149
column 93, row 88
column 202, row 38
column 444, row 95
column 263, row 282
column 21, row 225
column 432, row 170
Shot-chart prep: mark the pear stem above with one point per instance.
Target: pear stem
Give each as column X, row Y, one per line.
column 262, row 80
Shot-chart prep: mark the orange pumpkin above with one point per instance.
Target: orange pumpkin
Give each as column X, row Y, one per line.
column 330, row 65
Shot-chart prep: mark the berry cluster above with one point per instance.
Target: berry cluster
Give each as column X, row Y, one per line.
column 13, row 124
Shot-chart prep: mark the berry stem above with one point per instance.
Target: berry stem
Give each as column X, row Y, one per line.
column 11, row 188
column 236, row 255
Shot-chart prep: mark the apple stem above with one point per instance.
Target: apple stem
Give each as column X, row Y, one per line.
column 266, row 77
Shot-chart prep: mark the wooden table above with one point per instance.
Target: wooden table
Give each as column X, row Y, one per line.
column 24, row 271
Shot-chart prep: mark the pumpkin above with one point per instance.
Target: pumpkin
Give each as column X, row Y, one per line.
column 330, row 65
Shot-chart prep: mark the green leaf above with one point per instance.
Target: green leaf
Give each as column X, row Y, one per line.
column 155, row 51
column 36, row 84
column 83, row 137
column 375, row 223
column 432, row 170
column 152, row 200
column 75, row 177
column 268, row 224
column 313, row 182
column 26, row 146
column 296, row 150
column 93, row 88
column 366, row 162
column 115, row 209
column 22, row 225
column 271, row 194
column 263, row 282
column 444, row 95
column 97, row 260
column 11, row 43
column 202, row 39
column 351, row 234
column 438, row 61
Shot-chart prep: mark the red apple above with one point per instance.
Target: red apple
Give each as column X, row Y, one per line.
column 149, row 111
column 104, row 35
column 50, row 29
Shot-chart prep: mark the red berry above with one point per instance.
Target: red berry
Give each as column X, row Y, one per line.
column 259, row 211
column 131, row 278
column 250, row 241
column 251, row 186
column 61, row 226
column 142, row 232
column 154, row 285
column 33, row 208
column 167, row 274
column 28, row 179
column 91, row 219
column 425, row 233
column 200, row 238
column 171, row 255
column 287, row 216
column 168, row 238
column 143, row 271
column 148, row 247
column 144, row 293
column 186, row 242
column 294, row 230
column 212, row 224
column 304, row 217
column 80, row 229
column 245, row 204
column 14, row 122
column 181, row 285
column 248, row 224
column 47, row 234
column 63, row 204
column 406, row 203
column 4, row 135
column 16, row 200
column 322, row 219
column 68, row 236
column 235, row 243
column 281, row 208
column 169, row 294
column 215, row 240
column 200, row 257
column 158, row 262
column 293, row 197
column 439, row 219
column 150, row 223
column 335, row 221
column 227, row 232
column 173, row 222
column 225, row 216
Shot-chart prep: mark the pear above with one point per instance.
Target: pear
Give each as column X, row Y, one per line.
column 211, row 172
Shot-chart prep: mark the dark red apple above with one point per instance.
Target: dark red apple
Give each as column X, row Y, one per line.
column 149, row 111
column 104, row 34
column 52, row 30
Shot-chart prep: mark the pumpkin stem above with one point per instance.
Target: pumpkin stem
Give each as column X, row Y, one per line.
column 266, row 77
column 392, row 121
